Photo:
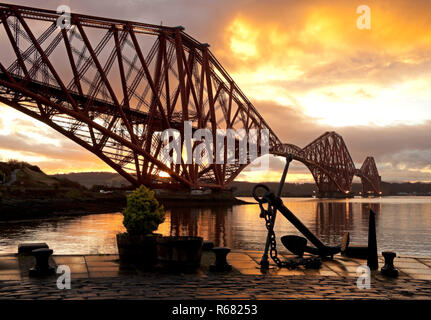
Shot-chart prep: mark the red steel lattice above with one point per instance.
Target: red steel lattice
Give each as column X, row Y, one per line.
column 113, row 86
column 371, row 181
column 331, row 165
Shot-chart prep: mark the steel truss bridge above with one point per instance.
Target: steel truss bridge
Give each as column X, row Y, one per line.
column 113, row 86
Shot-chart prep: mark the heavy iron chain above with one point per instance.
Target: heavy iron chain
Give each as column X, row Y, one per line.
column 268, row 216
column 308, row 263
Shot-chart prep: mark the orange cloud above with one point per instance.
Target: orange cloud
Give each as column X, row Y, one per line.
column 307, row 69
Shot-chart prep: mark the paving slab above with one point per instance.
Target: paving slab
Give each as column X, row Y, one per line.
column 100, row 277
column 112, row 257
column 69, row 260
column 8, row 277
column 238, row 256
column 416, row 271
column 421, row 276
column 253, row 271
column 104, row 263
column 103, row 269
column 10, row 263
column 77, row 268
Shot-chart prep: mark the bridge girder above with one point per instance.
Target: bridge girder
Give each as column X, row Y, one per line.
column 113, row 86
column 370, row 178
column 331, row 165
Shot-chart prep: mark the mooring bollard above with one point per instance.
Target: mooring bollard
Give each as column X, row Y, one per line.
column 207, row 245
column 27, row 248
column 389, row 269
column 42, row 267
column 221, row 260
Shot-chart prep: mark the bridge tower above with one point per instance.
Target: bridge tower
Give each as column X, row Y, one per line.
column 330, row 164
column 370, row 178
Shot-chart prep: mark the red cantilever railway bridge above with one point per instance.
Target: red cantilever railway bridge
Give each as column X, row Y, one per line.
column 112, row 86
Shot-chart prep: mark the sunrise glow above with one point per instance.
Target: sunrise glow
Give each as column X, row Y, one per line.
column 307, row 69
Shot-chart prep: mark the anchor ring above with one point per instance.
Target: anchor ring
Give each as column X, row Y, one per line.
column 255, row 194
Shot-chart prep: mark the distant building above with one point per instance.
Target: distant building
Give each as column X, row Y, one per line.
column 200, row 191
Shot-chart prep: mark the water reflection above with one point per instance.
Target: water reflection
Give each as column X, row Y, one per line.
column 402, row 225
column 209, row 223
column 332, row 219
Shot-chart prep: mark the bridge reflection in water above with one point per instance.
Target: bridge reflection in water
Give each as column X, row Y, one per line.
column 402, row 224
column 332, row 219
column 210, row 223
column 240, row 227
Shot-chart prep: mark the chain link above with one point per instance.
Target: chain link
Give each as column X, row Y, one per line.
column 308, row 263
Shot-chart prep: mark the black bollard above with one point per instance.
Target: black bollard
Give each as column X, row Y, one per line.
column 372, row 260
column 389, row 269
column 221, row 262
column 42, row 267
column 207, row 245
column 27, row 248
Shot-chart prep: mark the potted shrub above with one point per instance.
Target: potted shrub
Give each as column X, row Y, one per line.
column 142, row 217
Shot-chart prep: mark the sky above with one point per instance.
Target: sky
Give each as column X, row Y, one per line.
column 305, row 65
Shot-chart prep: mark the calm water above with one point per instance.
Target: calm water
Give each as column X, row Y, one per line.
column 403, row 225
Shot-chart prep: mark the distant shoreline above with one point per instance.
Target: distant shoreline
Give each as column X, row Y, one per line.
column 36, row 209
column 31, row 209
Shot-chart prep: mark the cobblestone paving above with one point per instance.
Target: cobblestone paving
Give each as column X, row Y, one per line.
column 187, row 287
column 102, row 277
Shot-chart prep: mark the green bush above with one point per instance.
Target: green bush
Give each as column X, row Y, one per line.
column 143, row 213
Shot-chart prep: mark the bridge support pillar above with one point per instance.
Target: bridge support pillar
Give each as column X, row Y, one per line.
column 334, row 194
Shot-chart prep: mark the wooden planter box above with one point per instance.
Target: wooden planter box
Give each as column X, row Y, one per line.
column 140, row 250
column 179, row 253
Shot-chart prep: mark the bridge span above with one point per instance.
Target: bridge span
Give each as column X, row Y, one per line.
column 332, row 167
column 112, row 86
